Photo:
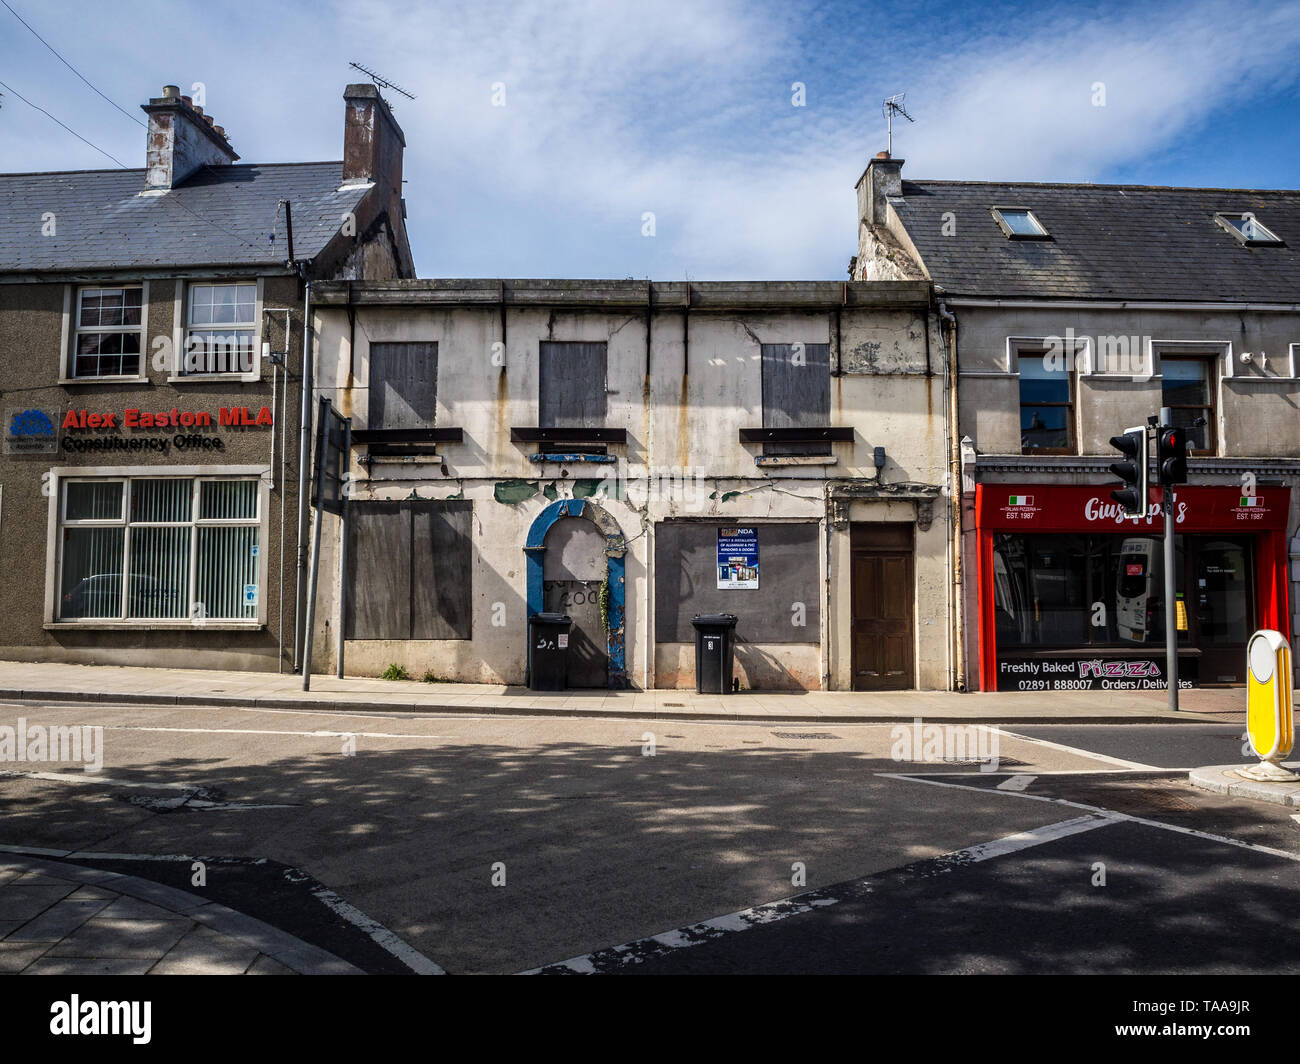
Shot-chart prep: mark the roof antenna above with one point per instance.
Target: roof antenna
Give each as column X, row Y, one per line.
column 383, row 83
column 891, row 107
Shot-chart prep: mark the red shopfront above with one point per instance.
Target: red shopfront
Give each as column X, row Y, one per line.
column 1072, row 592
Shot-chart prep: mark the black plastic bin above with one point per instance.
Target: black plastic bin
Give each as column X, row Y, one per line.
column 548, row 651
column 715, row 652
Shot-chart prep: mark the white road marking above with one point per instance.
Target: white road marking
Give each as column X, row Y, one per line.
column 407, row 954
column 95, row 777
column 1016, row 783
column 696, row 934
column 1106, row 812
column 386, row 939
column 1074, row 750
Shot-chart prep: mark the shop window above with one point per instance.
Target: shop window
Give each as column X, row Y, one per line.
column 403, row 392
column 1187, row 388
column 221, row 335
column 409, row 566
column 1046, row 404
column 165, row 548
column 796, row 394
column 109, row 332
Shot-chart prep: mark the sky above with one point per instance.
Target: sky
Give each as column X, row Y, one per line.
column 678, row 139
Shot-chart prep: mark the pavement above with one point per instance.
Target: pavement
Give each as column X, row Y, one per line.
column 267, row 690
column 58, row 918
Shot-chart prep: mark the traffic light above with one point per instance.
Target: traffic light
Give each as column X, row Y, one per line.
column 1173, row 456
column 1133, row 496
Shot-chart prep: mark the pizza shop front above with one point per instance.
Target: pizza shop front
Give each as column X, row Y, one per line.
column 1071, row 592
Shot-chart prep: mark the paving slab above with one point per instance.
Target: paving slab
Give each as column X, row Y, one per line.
column 53, row 682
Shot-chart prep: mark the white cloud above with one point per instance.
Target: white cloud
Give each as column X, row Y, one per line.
column 680, row 108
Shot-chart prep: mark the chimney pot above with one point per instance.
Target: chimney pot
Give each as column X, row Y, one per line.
column 171, row 92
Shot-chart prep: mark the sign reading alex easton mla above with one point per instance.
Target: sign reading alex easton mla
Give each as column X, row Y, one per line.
column 737, row 558
column 86, row 431
column 131, row 418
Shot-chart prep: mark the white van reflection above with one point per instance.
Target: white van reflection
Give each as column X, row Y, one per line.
column 1135, row 593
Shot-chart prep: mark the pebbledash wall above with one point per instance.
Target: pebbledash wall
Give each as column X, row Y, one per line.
column 490, row 510
column 43, row 611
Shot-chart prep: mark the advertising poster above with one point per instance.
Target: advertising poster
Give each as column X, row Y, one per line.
column 737, row 558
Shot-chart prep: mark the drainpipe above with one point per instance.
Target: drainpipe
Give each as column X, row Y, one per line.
column 954, row 499
column 304, row 470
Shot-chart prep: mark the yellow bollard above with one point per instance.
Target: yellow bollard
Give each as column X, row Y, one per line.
column 1269, row 720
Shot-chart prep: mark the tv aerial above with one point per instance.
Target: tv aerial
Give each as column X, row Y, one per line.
column 384, row 83
column 892, row 106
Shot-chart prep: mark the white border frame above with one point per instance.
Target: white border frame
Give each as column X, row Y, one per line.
column 68, row 336
column 181, row 326
column 59, row 474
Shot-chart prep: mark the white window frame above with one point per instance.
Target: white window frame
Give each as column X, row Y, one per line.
column 1011, row 234
column 72, row 329
column 125, row 474
column 1220, row 352
column 182, row 308
column 1271, row 240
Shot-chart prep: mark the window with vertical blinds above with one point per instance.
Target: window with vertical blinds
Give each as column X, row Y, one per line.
column 159, row 548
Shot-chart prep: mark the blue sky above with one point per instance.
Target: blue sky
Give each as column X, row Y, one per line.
column 682, row 109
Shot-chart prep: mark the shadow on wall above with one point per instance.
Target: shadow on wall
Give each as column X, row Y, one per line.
column 760, row 670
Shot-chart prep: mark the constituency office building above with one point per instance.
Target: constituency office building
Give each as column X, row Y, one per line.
column 148, row 481
column 634, row 454
column 1075, row 312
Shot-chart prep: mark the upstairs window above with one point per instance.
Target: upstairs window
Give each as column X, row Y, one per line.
column 796, row 394
column 1248, row 229
column 1046, row 405
column 1187, row 388
column 403, row 390
column 1020, row 223
column 109, row 332
column 572, row 391
column 222, row 330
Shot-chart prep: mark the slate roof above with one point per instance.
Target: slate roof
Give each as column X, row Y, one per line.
column 1112, row 242
column 219, row 216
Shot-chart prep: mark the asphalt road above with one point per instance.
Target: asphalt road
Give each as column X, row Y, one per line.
column 506, row 844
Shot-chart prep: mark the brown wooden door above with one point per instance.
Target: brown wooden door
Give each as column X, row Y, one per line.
column 882, row 621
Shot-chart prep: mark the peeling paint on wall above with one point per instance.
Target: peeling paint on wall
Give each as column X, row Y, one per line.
column 513, row 492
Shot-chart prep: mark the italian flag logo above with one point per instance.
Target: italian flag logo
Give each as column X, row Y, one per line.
column 1251, row 500
column 1020, row 500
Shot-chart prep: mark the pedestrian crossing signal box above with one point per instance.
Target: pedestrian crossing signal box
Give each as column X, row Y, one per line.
column 1269, row 722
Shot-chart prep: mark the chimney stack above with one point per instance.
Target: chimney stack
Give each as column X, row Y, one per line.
column 882, row 178
column 181, row 139
column 372, row 141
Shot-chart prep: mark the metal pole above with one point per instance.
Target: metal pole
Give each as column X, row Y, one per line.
column 313, row 571
column 1171, row 616
column 304, row 459
column 343, row 543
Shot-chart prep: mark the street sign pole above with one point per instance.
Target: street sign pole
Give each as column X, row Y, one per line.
column 1171, row 617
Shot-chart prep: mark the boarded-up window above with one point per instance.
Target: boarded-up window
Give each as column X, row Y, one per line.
column 409, row 570
column 796, row 393
column 572, row 385
column 784, row 608
column 403, row 386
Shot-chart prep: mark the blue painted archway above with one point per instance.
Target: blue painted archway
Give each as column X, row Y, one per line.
column 615, row 550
